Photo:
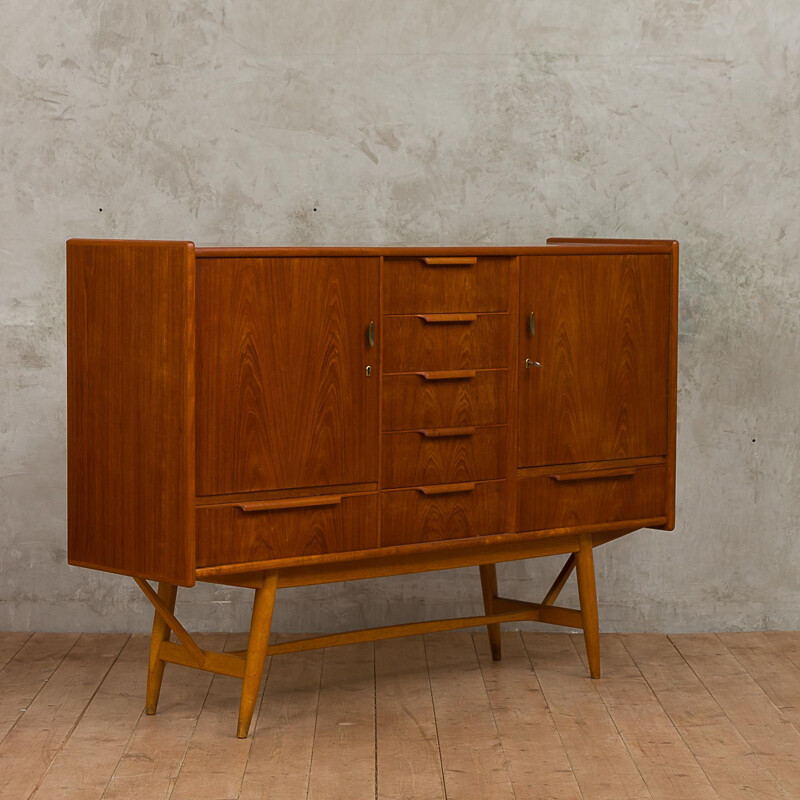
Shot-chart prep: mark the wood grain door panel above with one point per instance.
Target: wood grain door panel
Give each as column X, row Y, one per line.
column 445, row 341
column 588, row 498
column 410, row 516
column 246, row 532
column 601, row 336
column 412, row 286
column 449, row 455
column 283, row 396
column 412, row 401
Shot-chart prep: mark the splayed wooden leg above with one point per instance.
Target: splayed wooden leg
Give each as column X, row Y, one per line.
column 587, row 590
column 489, row 589
column 155, row 670
column 260, row 623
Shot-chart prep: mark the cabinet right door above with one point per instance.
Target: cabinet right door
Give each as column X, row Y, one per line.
column 593, row 358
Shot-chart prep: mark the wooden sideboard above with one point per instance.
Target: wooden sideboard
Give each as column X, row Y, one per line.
column 271, row 417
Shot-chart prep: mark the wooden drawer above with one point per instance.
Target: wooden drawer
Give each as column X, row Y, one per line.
column 584, row 498
column 300, row 526
column 439, row 400
column 435, row 513
column 445, row 341
column 443, row 455
column 417, row 285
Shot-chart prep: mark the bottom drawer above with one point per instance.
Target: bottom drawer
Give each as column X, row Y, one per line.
column 584, row 498
column 299, row 526
column 446, row 511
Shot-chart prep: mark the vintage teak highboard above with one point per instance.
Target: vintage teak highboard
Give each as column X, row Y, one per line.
column 268, row 417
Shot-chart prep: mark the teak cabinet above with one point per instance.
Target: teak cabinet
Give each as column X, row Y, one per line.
column 270, row 417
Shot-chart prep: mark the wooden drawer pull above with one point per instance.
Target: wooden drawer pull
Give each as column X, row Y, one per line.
column 436, row 433
column 590, row 476
column 448, row 375
column 447, row 488
column 448, row 317
column 451, row 261
column 291, row 502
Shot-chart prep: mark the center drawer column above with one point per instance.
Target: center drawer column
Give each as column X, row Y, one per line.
column 445, row 398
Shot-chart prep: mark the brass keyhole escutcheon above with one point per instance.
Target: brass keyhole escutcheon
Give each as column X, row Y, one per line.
column 369, row 371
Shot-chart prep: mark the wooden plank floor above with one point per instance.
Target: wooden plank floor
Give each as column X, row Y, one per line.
column 426, row 718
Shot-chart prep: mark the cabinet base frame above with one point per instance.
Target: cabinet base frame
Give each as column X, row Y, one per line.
column 249, row 664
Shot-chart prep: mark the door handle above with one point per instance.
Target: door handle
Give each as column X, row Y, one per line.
column 371, row 334
column 448, row 374
column 290, row 502
column 447, row 488
column 529, row 364
column 451, row 261
column 448, row 317
column 532, row 323
column 593, row 476
column 438, row 433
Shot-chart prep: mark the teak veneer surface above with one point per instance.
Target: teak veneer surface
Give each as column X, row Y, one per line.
column 130, row 408
column 277, row 417
column 565, row 246
column 283, row 400
column 444, row 455
column 445, row 341
column 476, row 397
column 227, row 534
column 602, row 326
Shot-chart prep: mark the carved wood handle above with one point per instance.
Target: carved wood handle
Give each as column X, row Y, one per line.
column 436, row 433
column 448, row 375
column 590, row 476
column 448, row 317
column 451, row 261
column 290, row 502
column 447, row 488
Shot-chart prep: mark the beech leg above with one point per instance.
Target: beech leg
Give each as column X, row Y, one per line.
column 587, row 591
column 489, row 589
column 257, row 644
column 558, row 584
column 155, row 669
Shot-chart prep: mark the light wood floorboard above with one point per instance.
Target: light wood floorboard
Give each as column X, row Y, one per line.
column 82, row 769
column 343, row 756
column 473, row 761
column 149, row 766
column 665, row 762
column 757, row 718
column 537, row 762
column 35, row 740
column 408, row 764
column 10, row 644
column 772, row 669
column 602, row 764
column 280, row 756
column 735, row 771
column 27, row 672
column 698, row 717
column 215, row 761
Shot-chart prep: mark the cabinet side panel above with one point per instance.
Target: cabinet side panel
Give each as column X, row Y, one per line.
column 672, row 389
column 130, row 405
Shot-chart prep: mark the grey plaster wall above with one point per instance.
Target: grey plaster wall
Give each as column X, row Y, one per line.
column 422, row 121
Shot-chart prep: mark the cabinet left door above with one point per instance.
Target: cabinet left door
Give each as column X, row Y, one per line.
column 284, row 396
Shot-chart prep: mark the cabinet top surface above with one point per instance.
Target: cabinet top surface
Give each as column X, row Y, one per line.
column 415, row 251
column 553, row 246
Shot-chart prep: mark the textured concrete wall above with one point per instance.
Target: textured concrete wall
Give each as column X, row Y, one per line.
column 422, row 121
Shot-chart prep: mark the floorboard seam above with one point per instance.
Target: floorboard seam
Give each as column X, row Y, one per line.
column 435, row 720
